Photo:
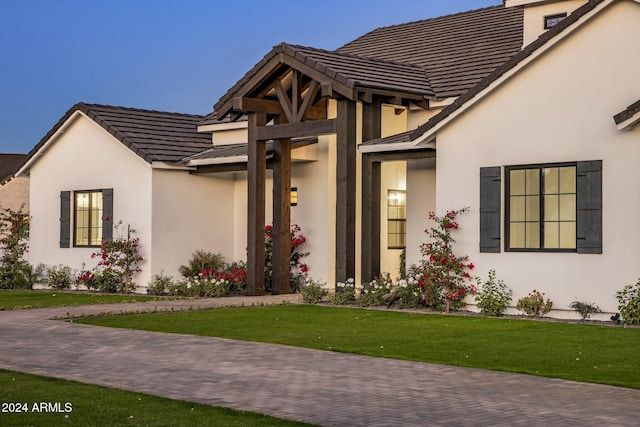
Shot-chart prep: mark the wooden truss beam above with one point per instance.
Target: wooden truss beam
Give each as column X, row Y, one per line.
column 294, row 130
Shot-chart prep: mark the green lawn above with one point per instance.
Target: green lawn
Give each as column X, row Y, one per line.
column 91, row 405
column 12, row 300
column 589, row 353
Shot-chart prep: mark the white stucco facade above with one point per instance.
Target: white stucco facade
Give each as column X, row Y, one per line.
column 558, row 108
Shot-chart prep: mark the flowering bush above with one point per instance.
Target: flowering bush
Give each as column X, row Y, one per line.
column 494, row 297
column 15, row 271
column 444, row 274
column 534, row 304
column 313, row 292
column 408, row 292
column 373, row 293
column 59, row 277
column 118, row 262
column 298, row 269
column 629, row 303
column 345, row 293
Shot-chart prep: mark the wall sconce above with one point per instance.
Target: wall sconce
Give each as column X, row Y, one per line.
column 396, row 197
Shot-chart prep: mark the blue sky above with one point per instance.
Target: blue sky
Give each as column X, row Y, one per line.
column 170, row 55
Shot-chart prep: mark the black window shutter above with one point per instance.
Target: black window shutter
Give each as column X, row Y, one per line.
column 589, row 207
column 107, row 214
column 65, row 219
column 490, row 178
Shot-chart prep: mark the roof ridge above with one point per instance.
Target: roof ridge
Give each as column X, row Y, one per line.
column 120, row 107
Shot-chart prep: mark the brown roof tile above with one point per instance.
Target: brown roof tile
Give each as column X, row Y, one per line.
column 152, row 135
column 9, row 165
column 456, row 51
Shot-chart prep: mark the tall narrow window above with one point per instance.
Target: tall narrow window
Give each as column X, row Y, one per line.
column 396, row 219
column 88, row 218
column 542, row 207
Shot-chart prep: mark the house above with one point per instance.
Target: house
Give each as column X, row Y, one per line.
column 526, row 112
column 14, row 191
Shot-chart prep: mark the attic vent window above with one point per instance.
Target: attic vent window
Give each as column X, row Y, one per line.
column 552, row 20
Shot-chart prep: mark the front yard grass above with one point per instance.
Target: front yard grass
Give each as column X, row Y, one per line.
column 581, row 352
column 100, row 406
column 12, row 300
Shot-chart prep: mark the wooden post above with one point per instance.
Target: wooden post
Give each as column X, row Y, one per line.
column 371, row 184
column 346, row 191
column 256, row 174
column 281, row 217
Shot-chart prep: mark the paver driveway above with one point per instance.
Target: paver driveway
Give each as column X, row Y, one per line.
column 320, row 387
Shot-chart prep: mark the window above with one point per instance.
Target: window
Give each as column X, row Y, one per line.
column 553, row 207
column 87, row 220
column 541, row 207
column 294, row 196
column 89, row 214
column 396, row 219
column 552, row 20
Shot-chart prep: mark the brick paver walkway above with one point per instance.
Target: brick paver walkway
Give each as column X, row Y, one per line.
column 319, row 387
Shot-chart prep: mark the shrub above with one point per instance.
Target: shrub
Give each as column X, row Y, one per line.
column 629, row 303
column 345, row 293
column 313, row 292
column 59, row 277
column 441, row 267
column 15, row 271
column 118, row 262
column 298, row 269
column 160, row 284
column 493, row 297
column 372, row 293
column 585, row 309
column 202, row 260
column 408, row 292
column 534, row 304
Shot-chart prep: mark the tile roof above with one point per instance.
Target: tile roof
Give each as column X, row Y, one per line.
column 152, row 135
column 456, row 51
column 356, row 73
column 485, row 83
column 9, row 165
column 241, row 149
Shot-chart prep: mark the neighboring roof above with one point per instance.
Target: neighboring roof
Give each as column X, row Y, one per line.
column 629, row 117
column 9, row 165
column 457, row 50
column 513, row 63
column 241, row 150
column 348, row 74
column 152, row 135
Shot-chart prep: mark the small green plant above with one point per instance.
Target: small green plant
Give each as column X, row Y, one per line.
column 494, row 296
column 202, row 260
column 160, row 284
column 59, row 277
column 345, row 293
column 534, row 304
column 585, row 309
column 313, row 292
column 629, row 303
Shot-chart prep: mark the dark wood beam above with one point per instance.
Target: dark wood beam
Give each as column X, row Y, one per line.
column 281, row 217
column 272, row 107
column 285, row 102
column 256, row 178
column 308, row 99
column 320, row 76
column 294, row 130
column 346, row 191
column 371, row 187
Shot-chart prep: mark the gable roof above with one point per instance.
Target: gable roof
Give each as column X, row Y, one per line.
column 9, row 165
column 456, row 51
column 152, row 135
column 491, row 81
column 345, row 73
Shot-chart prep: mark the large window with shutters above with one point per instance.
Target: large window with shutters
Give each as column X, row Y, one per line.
column 86, row 217
column 541, row 207
column 551, row 208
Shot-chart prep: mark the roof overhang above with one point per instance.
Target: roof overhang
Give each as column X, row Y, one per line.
column 628, row 118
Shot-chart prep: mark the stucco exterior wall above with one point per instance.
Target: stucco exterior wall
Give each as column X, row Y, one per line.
column 86, row 157
column 534, row 16
column 421, row 199
column 559, row 108
column 190, row 212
